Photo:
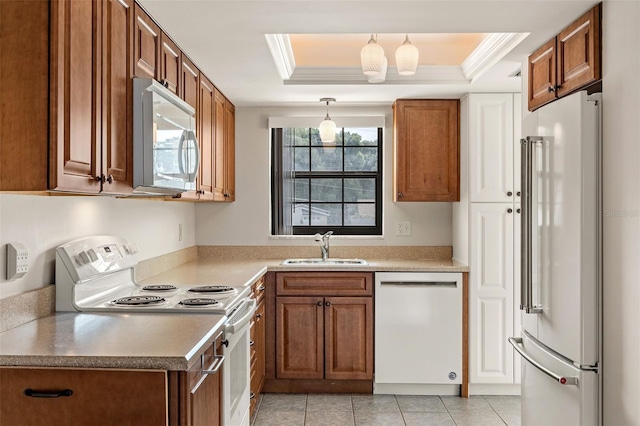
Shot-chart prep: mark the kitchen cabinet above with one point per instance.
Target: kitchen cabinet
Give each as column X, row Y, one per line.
column 146, row 50
column 486, row 234
column 229, row 152
column 96, row 397
column 426, row 156
column 568, row 62
column 91, row 92
column 206, row 138
column 189, row 80
column 324, row 326
column 224, row 155
column 258, row 341
column 170, row 64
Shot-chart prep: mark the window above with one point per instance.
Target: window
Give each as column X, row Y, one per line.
column 317, row 188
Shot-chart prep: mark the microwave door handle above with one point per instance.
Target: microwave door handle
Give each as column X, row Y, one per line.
column 180, row 152
column 196, row 146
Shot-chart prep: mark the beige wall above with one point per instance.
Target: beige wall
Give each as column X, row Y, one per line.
column 41, row 223
column 246, row 222
column 621, row 109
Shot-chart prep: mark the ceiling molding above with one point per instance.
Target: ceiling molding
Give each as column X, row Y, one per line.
column 282, row 53
column 425, row 74
column 492, row 49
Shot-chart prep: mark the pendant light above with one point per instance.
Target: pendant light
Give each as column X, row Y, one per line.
column 328, row 127
column 371, row 57
column 382, row 75
column 407, row 58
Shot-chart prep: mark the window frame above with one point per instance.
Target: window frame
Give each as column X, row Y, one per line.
column 277, row 197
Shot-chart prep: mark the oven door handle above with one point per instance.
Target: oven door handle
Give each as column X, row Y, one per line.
column 236, row 324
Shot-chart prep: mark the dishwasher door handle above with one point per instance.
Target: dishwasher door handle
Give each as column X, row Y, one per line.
column 451, row 284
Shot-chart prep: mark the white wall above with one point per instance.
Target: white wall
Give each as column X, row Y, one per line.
column 246, row 221
column 621, row 109
column 41, row 223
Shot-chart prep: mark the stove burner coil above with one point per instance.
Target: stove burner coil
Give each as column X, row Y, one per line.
column 139, row 301
column 199, row 301
column 159, row 287
column 212, row 289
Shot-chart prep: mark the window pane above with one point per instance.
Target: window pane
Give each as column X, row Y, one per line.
column 326, row 190
column 301, row 159
column 326, row 214
column 302, row 190
column 316, row 141
column 288, row 136
column 361, row 159
column 323, row 159
column 367, row 136
column 300, row 216
column 359, row 190
column 301, row 136
column 360, row 214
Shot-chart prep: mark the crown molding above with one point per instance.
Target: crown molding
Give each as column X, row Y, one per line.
column 282, row 53
column 426, row 74
column 492, row 49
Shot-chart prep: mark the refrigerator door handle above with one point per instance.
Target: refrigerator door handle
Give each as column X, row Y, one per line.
column 516, row 342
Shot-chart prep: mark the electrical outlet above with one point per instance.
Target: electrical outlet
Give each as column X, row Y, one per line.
column 403, row 228
column 179, row 232
column 17, row 261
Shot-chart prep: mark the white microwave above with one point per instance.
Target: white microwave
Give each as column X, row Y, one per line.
column 166, row 155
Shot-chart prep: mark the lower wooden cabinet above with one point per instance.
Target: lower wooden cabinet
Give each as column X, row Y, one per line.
column 323, row 329
column 258, row 344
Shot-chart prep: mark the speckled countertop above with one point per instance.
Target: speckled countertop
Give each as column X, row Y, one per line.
column 100, row 340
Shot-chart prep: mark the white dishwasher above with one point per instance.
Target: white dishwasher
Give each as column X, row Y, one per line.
column 418, row 333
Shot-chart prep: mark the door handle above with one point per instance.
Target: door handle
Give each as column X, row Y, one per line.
column 516, row 342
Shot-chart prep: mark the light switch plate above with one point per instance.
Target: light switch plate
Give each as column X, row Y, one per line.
column 17, row 261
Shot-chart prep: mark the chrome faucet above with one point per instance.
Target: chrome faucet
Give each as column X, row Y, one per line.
column 324, row 243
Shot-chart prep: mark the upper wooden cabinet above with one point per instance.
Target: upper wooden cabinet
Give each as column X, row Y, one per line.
column 206, row 137
column 224, row 153
column 170, row 64
column 189, row 80
column 426, row 154
column 568, row 62
column 229, row 151
column 146, row 52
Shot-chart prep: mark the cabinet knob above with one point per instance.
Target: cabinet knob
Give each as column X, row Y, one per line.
column 251, row 343
column 518, row 211
column 261, row 288
column 225, row 342
column 551, row 89
column 518, row 193
column 110, row 179
column 509, row 210
column 320, row 303
column 258, row 316
column 252, row 395
column 400, row 195
column 327, row 303
column 100, row 178
column 509, row 193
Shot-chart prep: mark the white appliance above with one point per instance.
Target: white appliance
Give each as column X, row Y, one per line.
column 418, row 333
column 166, row 154
column 561, row 264
column 96, row 274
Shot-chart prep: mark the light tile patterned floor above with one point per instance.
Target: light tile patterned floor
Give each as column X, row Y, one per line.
column 386, row 410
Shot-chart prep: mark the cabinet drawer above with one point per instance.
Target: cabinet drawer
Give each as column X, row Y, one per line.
column 324, row 284
column 96, row 397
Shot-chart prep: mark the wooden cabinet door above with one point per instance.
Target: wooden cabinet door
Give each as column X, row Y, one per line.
column 229, row 152
column 189, row 81
column 426, row 150
column 146, row 50
column 75, row 96
column 578, row 60
column 206, row 137
column 117, row 115
column 542, row 75
column 219, row 141
column 348, row 338
column 98, row 397
column 491, row 292
column 170, row 64
column 491, row 148
column 205, row 401
column 299, row 338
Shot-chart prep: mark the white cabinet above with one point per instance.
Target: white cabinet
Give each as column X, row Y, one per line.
column 486, row 236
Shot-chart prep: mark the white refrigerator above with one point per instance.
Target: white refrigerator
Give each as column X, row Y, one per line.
column 561, row 282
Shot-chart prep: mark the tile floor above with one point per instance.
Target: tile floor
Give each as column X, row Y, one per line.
column 386, row 410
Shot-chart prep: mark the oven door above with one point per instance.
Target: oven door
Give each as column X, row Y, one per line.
column 236, row 374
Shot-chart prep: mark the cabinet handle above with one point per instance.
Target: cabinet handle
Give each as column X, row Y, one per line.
column 110, row 179
column 509, row 193
column 261, row 288
column 100, row 178
column 551, row 89
column 225, row 342
column 251, row 343
column 327, row 303
column 400, row 195
column 319, row 303
column 258, row 316
column 509, row 210
column 252, row 395
column 217, row 363
column 48, row 394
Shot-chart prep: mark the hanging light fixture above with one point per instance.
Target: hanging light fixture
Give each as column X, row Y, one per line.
column 328, row 127
column 382, row 75
column 407, row 58
column 371, row 57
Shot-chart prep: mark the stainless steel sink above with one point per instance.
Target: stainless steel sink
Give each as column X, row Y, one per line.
column 328, row 262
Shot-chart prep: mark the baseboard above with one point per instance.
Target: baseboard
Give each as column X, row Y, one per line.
column 493, row 389
column 415, row 389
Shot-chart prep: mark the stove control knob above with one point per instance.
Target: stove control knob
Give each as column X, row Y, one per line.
column 92, row 255
column 84, row 258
